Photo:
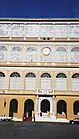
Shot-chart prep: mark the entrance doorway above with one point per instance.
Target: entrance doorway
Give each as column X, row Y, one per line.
column 76, row 108
column 61, row 109
column 45, row 106
column 13, row 107
column 28, row 109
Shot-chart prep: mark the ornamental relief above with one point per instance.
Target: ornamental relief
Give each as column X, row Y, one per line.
column 18, row 30
column 46, row 54
column 57, row 30
column 40, row 53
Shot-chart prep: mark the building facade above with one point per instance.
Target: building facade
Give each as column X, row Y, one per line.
column 39, row 68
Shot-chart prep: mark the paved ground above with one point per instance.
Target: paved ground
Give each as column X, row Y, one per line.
column 35, row 130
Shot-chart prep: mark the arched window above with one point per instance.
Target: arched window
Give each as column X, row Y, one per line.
column 30, row 74
column 45, row 75
column 31, row 54
column 61, row 81
column 60, row 54
column 75, row 82
column 61, row 107
column 30, row 81
column 3, row 48
column 15, row 80
column 3, row 53
column 2, row 74
column 16, row 53
column 15, row 74
column 2, row 80
column 75, row 54
column 76, row 107
column 13, row 107
column 16, row 48
column 46, row 81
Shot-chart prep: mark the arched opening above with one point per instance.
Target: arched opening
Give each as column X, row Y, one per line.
column 15, row 80
column 30, row 81
column 75, row 54
column 76, row 108
column 31, row 54
column 15, row 74
column 61, row 75
column 30, row 74
column 61, row 54
column 61, row 107
column 28, row 108
column 45, row 106
column 13, row 107
column 3, row 53
column 16, row 53
column 61, row 79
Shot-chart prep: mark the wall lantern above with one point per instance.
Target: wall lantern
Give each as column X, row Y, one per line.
column 5, row 103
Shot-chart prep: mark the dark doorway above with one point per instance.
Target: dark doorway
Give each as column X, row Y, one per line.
column 61, row 106
column 76, row 107
column 28, row 107
column 45, row 106
column 13, row 107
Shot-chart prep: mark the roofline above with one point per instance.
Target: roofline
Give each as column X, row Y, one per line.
column 40, row 19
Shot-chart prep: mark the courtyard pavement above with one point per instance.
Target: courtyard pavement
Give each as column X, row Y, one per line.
column 38, row 130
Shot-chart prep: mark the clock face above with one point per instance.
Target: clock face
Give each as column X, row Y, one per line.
column 46, row 51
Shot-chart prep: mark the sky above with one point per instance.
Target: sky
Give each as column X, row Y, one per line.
column 39, row 8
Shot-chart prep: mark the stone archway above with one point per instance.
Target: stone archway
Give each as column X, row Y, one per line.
column 61, row 109
column 76, row 108
column 28, row 108
column 13, row 107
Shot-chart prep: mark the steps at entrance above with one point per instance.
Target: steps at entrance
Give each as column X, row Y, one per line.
column 45, row 118
column 62, row 120
column 50, row 119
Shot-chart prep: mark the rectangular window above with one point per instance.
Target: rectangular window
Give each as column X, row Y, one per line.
column 14, row 83
column 75, row 84
column 30, row 83
column 61, row 84
column 45, row 83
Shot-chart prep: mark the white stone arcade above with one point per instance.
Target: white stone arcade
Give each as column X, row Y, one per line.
column 42, row 52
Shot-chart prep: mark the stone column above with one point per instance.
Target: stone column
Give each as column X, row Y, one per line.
column 10, row 32
column 69, row 81
column 53, row 105
column 37, row 81
column 7, row 80
column 37, row 104
column 69, row 55
column 20, row 108
column 22, row 80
